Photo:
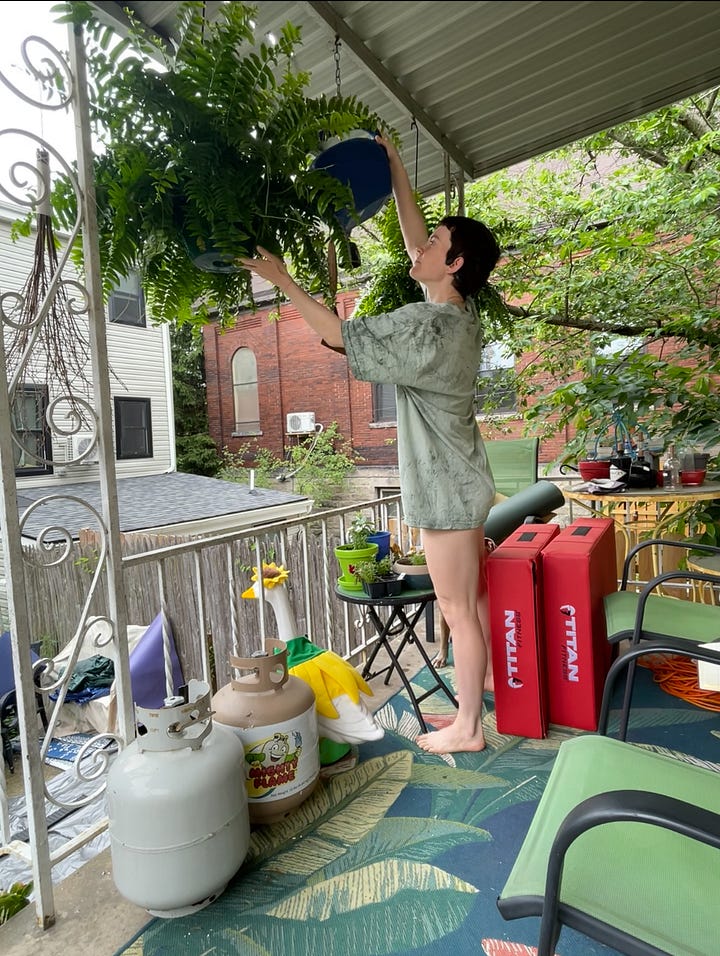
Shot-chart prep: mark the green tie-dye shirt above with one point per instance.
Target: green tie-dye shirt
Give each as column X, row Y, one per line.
column 431, row 353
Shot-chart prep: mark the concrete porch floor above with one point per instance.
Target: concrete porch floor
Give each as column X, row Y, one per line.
column 92, row 918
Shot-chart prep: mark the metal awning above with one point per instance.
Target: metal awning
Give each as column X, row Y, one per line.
column 491, row 84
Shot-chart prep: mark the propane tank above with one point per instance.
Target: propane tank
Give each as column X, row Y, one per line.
column 273, row 714
column 177, row 807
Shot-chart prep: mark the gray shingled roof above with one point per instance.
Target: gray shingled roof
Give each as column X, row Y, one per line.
column 145, row 502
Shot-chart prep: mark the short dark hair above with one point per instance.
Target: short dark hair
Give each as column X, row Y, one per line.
column 479, row 248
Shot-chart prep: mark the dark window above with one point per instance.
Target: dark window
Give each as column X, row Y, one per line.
column 384, row 406
column 133, row 428
column 32, row 445
column 126, row 304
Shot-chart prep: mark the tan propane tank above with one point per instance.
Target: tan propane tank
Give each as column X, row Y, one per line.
column 273, row 713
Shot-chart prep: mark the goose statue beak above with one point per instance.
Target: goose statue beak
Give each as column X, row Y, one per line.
column 250, row 593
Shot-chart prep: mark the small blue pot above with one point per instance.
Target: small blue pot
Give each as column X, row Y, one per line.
column 382, row 540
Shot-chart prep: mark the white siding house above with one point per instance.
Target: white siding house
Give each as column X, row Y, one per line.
column 140, row 379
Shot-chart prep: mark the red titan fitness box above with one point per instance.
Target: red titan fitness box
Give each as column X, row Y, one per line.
column 579, row 569
column 514, row 572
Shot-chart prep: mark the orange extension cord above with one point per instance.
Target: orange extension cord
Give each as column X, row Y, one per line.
column 679, row 676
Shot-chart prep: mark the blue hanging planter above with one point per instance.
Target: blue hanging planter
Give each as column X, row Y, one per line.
column 208, row 257
column 362, row 164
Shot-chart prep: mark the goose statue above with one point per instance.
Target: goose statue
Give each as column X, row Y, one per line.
column 342, row 714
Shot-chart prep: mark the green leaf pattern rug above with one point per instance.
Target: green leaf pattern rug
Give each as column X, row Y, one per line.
column 407, row 852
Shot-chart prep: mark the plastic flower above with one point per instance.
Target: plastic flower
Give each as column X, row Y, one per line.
column 272, row 574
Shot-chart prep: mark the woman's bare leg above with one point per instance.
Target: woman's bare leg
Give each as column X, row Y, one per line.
column 454, row 561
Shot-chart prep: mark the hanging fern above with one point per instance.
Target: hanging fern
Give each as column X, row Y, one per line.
column 208, row 145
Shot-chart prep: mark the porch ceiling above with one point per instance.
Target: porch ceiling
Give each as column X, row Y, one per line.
column 491, row 84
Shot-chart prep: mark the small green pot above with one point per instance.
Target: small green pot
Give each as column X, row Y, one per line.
column 347, row 556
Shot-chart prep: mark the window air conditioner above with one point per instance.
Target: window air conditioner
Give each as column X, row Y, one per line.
column 80, row 444
column 300, row 423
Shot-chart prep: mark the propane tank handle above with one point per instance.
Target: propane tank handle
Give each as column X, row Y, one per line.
column 268, row 671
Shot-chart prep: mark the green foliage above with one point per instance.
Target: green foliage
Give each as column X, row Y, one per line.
column 189, row 388
column 322, row 464
column 386, row 260
column 367, row 571
column 13, row 900
column 236, row 465
column 208, row 144
column 384, row 565
column 612, row 272
column 318, row 466
column 360, row 529
column 198, row 455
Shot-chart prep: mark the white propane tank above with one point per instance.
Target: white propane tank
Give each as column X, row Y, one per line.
column 177, row 808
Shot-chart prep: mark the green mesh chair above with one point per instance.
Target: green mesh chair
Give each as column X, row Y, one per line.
column 624, row 847
column 513, row 462
column 657, row 623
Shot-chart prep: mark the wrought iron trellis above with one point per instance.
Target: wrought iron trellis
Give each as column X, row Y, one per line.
column 30, row 319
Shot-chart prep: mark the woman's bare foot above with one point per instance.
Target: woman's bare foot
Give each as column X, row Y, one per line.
column 451, row 740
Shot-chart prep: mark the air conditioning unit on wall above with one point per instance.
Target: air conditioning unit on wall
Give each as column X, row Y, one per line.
column 80, row 444
column 300, row 423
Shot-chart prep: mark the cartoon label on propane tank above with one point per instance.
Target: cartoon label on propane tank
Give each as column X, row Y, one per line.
column 284, row 761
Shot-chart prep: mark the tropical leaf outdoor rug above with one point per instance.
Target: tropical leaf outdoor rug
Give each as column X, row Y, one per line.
column 407, row 852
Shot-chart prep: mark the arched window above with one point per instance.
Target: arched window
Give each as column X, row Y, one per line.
column 245, row 393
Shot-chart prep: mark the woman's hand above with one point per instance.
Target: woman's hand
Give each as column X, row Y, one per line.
column 390, row 148
column 268, row 267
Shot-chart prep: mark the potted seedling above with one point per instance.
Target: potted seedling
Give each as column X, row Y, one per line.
column 368, row 575
column 355, row 550
column 413, row 565
column 392, row 580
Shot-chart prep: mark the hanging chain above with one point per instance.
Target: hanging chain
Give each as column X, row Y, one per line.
column 415, row 126
column 337, row 64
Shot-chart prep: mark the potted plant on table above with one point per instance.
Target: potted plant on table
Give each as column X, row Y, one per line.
column 377, row 577
column 392, row 580
column 369, row 577
column 355, row 550
column 207, row 151
column 413, row 565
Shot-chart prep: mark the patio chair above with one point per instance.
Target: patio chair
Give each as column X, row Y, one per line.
column 624, row 847
column 657, row 623
column 513, row 462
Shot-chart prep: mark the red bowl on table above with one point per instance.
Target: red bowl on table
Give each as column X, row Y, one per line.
column 692, row 477
column 589, row 470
